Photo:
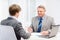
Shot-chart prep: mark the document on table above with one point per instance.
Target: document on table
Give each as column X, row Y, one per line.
column 36, row 34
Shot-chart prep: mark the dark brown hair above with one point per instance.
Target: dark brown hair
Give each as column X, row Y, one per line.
column 13, row 9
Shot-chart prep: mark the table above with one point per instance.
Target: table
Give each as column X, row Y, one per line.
column 57, row 37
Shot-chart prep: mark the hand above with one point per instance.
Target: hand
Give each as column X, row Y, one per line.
column 44, row 33
column 30, row 30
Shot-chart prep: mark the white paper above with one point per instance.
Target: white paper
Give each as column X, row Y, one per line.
column 35, row 34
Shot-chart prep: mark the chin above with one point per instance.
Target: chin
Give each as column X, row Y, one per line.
column 40, row 16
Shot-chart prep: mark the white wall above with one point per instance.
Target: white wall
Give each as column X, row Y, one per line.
column 52, row 8
column 3, row 9
column 24, row 8
column 4, row 13
column 29, row 9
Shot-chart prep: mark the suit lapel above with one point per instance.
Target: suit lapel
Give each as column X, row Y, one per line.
column 37, row 22
column 43, row 23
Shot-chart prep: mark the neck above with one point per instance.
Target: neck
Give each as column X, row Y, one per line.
column 41, row 15
column 16, row 16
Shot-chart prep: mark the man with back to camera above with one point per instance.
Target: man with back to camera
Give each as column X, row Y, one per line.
column 41, row 23
column 12, row 21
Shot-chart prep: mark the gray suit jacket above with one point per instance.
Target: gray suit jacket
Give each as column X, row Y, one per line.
column 19, row 31
column 47, row 23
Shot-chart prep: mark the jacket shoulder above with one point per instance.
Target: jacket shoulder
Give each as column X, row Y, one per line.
column 11, row 21
column 50, row 17
column 34, row 18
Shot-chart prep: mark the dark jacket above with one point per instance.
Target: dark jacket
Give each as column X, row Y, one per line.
column 19, row 31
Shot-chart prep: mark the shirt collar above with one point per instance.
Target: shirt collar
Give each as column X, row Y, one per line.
column 42, row 17
column 14, row 17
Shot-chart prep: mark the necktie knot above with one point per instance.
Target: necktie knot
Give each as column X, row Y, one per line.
column 40, row 20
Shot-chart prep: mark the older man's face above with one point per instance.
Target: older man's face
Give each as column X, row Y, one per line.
column 41, row 12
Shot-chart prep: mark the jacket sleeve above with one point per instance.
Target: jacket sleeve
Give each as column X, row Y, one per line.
column 50, row 30
column 32, row 25
column 21, row 32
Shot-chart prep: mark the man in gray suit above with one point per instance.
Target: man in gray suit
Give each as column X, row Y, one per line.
column 41, row 23
column 12, row 21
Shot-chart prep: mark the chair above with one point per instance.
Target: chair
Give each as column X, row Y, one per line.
column 7, row 33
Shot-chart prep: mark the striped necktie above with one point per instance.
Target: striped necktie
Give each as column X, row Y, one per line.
column 39, row 25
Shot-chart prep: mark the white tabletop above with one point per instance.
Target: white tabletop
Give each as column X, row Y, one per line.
column 36, row 37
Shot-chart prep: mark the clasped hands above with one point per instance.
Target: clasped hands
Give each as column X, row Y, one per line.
column 44, row 33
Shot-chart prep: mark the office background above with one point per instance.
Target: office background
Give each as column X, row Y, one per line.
column 29, row 9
